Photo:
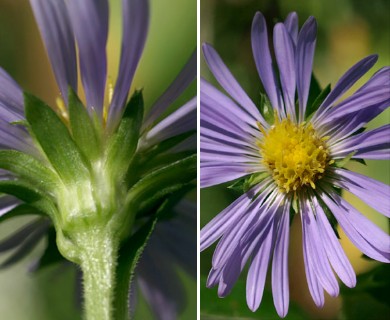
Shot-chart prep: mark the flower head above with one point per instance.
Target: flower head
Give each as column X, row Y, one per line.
column 289, row 156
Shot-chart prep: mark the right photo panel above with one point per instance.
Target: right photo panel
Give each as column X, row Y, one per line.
column 294, row 159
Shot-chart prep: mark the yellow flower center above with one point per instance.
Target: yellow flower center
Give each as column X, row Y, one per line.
column 294, row 154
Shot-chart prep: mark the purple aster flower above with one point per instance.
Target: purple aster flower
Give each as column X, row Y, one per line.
column 162, row 141
column 289, row 157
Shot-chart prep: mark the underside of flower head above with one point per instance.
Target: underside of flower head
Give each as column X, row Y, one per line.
column 101, row 170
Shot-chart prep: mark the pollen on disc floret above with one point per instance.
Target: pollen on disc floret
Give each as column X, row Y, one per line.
column 295, row 155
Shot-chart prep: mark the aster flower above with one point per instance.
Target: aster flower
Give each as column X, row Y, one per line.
column 289, row 158
column 97, row 173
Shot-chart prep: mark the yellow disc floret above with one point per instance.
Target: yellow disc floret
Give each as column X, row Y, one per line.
column 294, row 154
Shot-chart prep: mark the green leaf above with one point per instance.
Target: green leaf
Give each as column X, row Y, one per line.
column 342, row 162
column 144, row 167
column 28, row 168
column 170, row 201
column 129, row 255
column 162, row 182
column 55, row 140
column 123, row 143
column 165, row 145
column 83, row 130
column 314, row 91
column 244, row 184
column 266, row 109
column 370, row 298
column 234, row 306
column 312, row 107
column 28, row 194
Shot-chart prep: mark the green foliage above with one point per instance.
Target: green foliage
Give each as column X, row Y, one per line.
column 29, row 194
column 244, row 184
column 312, row 106
column 20, row 210
column 123, row 143
column 55, row 140
column 129, row 255
column 28, row 168
column 83, row 130
column 164, row 145
column 370, row 298
column 234, row 305
column 266, row 109
column 341, row 163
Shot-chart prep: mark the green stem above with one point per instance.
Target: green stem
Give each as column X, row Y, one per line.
column 98, row 255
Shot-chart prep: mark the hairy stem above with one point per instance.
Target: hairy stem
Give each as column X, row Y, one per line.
column 98, row 255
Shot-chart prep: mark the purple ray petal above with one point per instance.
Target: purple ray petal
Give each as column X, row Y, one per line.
column 213, row 277
column 365, row 144
column 225, row 103
column 258, row 271
column 180, row 121
column 219, row 123
column 280, row 288
column 225, row 149
column 346, row 81
column 54, row 24
column 291, row 24
column 11, row 98
column 315, row 288
column 304, row 63
column 228, row 82
column 160, row 285
column 258, row 218
column 334, row 251
column 366, row 236
column 7, row 203
column 230, row 273
column 350, row 123
column 213, row 112
column 135, row 29
column 223, row 172
column 376, row 194
column 22, row 235
column 29, row 242
column 356, row 103
column 380, row 78
column 209, row 156
column 263, row 60
column 315, row 251
column 15, row 137
column 209, row 135
column 177, row 237
column 90, row 25
column 176, row 88
column 225, row 219
column 285, row 56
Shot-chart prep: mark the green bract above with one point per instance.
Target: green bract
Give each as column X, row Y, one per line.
column 96, row 186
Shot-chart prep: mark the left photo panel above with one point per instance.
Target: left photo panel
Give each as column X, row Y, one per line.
column 98, row 159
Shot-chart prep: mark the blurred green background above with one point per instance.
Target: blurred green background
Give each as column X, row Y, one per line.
column 49, row 294
column 348, row 30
